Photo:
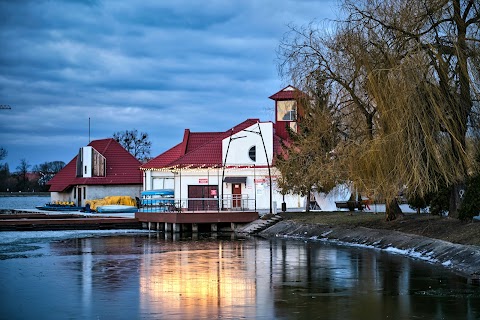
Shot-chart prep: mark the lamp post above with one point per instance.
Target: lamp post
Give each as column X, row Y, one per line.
column 266, row 157
column 225, row 162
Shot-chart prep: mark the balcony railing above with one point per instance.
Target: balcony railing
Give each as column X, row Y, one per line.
column 192, row 205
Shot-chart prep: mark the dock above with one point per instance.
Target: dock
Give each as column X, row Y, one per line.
column 198, row 221
column 32, row 221
column 212, row 221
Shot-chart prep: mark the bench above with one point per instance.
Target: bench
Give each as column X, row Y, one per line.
column 350, row 205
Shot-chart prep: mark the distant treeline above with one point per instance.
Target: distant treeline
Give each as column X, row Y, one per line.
column 27, row 178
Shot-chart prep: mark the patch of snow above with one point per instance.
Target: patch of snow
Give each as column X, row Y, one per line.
column 28, row 236
column 447, row 263
column 411, row 253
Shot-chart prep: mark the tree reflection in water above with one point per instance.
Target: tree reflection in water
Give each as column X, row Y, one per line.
column 156, row 277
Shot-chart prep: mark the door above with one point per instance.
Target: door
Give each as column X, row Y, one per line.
column 202, row 198
column 79, row 199
column 236, row 195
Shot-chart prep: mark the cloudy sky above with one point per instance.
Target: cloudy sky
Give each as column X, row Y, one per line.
column 156, row 66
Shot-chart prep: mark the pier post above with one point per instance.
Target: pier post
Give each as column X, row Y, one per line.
column 214, row 227
column 194, row 227
column 176, row 227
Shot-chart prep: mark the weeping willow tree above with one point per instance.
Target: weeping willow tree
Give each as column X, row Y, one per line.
column 405, row 75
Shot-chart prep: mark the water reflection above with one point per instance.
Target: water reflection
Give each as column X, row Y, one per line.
column 201, row 281
column 158, row 277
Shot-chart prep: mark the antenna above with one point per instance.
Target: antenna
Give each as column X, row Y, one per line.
column 89, row 130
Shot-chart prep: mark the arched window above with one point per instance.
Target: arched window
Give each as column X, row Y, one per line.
column 252, row 153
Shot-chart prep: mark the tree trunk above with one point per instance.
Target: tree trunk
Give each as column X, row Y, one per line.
column 307, row 209
column 392, row 210
column 456, row 198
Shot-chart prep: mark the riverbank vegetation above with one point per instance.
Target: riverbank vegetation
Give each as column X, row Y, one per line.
column 389, row 103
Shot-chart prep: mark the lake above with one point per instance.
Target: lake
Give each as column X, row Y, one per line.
column 131, row 274
column 23, row 202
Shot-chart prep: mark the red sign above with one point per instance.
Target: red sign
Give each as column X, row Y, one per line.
column 260, row 180
column 213, row 192
column 202, row 180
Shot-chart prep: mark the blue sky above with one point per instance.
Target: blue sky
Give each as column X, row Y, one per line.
column 155, row 66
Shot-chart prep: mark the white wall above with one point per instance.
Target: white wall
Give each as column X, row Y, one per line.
column 98, row 192
column 87, row 162
column 242, row 142
column 259, row 191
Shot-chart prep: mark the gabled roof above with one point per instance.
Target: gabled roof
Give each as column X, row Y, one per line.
column 287, row 93
column 199, row 149
column 122, row 168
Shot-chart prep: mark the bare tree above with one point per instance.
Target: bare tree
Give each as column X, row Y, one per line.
column 308, row 152
column 3, row 153
column 22, row 175
column 136, row 143
column 47, row 170
column 405, row 75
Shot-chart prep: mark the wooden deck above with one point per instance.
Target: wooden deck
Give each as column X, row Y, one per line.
column 189, row 221
column 198, row 217
column 36, row 221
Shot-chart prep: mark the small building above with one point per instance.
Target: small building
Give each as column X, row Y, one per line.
column 228, row 170
column 103, row 168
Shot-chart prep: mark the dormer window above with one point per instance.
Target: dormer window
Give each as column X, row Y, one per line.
column 252, row 153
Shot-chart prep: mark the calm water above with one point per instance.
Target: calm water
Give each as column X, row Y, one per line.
column 112, row 275
column 22, row 202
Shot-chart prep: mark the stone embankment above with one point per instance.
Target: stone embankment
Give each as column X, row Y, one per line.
column 459, row 258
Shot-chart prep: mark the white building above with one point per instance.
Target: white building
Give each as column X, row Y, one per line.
column 236, row 165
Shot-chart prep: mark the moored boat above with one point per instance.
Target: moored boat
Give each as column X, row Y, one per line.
column 59, row 207
column 158, row 200
column 116, row 208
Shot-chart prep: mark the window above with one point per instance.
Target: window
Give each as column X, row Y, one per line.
column 252, row 153
column 291, row 115
column 287, row 111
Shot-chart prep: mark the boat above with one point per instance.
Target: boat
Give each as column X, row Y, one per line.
column 161, row 200
column 59, row 207
column 116, row 208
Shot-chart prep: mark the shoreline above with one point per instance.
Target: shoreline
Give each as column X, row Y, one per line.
column 24, row 194
column 459, row 258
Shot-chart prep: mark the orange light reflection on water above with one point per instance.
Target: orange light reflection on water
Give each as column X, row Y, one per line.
column 202, row 283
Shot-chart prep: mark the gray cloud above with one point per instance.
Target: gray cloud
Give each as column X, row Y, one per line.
column 157, row 66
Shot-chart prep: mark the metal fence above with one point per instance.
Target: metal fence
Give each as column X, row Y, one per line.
column 227, row 203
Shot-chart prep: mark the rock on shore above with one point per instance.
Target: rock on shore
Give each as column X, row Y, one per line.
column 459, row 258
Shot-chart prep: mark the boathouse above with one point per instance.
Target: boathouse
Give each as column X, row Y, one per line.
column 231, row 170
column 103, row 168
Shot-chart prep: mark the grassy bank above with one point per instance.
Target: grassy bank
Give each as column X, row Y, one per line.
column 442, row 228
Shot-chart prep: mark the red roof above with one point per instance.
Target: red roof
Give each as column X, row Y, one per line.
column 287, row 93
column 122, row 168
column 200, row 149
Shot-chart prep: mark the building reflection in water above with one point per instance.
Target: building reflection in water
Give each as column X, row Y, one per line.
column 256, row 278
column 204, row 281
